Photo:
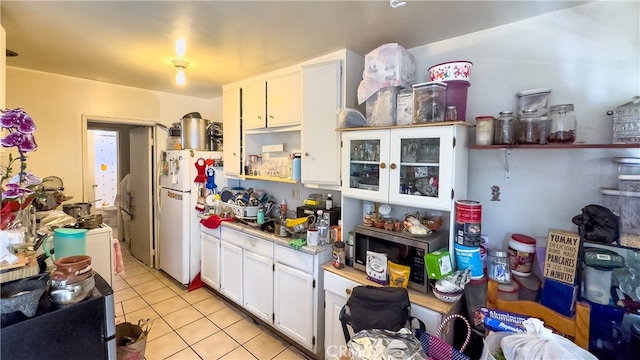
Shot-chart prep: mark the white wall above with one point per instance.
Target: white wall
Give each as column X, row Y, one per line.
column 57, row 103
column 590, row 56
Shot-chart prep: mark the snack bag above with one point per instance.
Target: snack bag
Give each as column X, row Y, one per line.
column 398, row 274
column 377, row 267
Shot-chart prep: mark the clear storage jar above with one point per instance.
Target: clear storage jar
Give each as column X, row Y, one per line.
column 499, row 268
column 563, row 124
column 532, row 128
column 429, row 101
column 505, row 129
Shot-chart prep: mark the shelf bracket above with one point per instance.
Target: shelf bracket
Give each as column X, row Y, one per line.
column 507, row 164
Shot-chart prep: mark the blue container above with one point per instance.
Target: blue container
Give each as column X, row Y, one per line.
column 469, row 257
column 296, row 167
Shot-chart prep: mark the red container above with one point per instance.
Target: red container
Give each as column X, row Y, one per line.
column 468, row 219
column 456, row 95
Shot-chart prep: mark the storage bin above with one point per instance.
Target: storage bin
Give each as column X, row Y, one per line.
column 390, row 65
column 534, row 99
column 457, row 96
column 429, row 102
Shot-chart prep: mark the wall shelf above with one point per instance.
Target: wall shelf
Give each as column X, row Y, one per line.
column 271, row 178
column 556, row 146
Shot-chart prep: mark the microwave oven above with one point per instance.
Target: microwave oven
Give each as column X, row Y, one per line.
column 400, row 248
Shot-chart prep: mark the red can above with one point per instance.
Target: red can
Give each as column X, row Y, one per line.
column 468, row 220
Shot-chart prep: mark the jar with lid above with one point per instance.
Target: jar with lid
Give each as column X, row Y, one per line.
column 451, row 114
column 505, row 129
column 339, row 255
column 529, row 127
column 563, row 124
column 484, row 130
column 499, row 269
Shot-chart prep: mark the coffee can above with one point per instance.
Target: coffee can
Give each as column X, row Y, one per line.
column 468, row 220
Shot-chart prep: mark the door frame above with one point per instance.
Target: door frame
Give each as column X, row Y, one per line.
column 87, row 189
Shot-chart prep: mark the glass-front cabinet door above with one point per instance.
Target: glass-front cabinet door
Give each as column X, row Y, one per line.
column 365, row 165
column 421, row 167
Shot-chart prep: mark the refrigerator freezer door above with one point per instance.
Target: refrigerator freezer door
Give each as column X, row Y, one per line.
column 173, row 231
column 180, row 169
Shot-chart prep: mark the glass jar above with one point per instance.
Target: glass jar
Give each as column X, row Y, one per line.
column 451, row 114
column 505, row 129
column 563, row 124
column 484, row 130
column 429, row 101
column 529, row 127
column 499, row 269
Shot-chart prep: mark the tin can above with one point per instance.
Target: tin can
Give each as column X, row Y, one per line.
column 468, row 219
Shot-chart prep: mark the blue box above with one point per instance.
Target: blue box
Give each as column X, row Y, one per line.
column 559, row 297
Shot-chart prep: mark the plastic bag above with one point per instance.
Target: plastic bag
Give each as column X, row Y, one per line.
column 349, row 118
column 492, row 343
column 540, row 343
column 380, row 344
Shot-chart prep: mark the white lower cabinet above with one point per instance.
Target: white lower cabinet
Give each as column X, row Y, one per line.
column 210, row 260
column 293, row 290
column 279, row 285
column 257, row 284
column 337, row 290
column 231, row 271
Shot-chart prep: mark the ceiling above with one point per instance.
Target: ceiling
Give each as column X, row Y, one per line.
column 132, row 42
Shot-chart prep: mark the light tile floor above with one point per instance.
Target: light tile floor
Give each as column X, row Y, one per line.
column 187, row 325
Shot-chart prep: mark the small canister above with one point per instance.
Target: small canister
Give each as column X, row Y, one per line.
column 529, row 128
column 499, row 266
column 522, row 249
column 484, row 130
column 339, row 255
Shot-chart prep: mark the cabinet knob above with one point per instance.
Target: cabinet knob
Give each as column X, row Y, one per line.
column 259, row 117
column 348, row 291
column 306, row 154
column 392, row 166
column 383, row 165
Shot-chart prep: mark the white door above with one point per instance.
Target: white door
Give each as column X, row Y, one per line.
column 210, row 265
column 294, row 314
column 140, row 157
column 231, row 271
column 258, row 285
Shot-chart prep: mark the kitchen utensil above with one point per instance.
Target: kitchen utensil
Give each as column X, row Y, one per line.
column 77, row 210
column 71, row 293
column 280, row 229
column 194, row 132
column 89, row 222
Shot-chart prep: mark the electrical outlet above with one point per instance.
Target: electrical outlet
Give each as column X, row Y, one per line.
column 295, row 194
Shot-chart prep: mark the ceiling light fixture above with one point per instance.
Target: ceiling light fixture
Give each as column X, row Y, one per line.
column 181, row 65
column 396, row 3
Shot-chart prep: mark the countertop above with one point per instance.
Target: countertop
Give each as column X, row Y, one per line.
column 282, row 241
column 427, row 300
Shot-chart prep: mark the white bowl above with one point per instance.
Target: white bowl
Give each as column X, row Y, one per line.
column 452, row 70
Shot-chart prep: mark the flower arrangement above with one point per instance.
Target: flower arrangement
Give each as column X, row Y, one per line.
column 18, row 190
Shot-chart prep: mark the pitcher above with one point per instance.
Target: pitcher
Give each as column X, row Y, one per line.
column 67, row 242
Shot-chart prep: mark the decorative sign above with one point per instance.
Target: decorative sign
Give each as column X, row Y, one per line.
column 561, row 260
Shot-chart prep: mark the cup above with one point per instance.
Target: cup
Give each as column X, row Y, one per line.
column 312, row 237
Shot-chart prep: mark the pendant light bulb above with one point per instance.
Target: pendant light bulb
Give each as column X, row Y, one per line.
column 180, row 78
column 181, row 47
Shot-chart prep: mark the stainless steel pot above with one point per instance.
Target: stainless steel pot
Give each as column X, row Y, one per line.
column 194, row 132
column 77, row 210
column 279, row 229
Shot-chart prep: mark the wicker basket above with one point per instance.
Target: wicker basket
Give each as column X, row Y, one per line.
column 30, row 269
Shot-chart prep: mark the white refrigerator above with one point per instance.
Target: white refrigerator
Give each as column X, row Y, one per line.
column 181, row 188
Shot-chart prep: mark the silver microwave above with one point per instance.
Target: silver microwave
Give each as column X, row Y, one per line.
column 400, row 248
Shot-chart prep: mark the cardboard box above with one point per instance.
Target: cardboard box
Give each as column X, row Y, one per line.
column 438, row 264
column 404, row 107
column 561, row 259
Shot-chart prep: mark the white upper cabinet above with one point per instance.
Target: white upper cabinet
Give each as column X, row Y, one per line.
column 284, row 100
column 321, row 101
column 253, row 105
column 419, row 167
column 231, row 124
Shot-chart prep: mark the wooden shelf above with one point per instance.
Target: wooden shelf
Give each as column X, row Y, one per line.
column 556, row 146
column 270, row 178
column 443, row 123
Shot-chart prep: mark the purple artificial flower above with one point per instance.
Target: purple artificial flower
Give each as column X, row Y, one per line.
column 24, row 142
column 19, row 120
column 27, row 180
column 14, row 191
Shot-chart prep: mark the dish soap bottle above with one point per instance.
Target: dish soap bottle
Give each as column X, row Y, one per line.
column 283, row 209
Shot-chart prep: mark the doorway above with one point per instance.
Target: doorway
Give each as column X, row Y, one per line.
column 117, row 150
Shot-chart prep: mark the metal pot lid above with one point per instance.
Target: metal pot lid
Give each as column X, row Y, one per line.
column 52, row 183
column 192, row 115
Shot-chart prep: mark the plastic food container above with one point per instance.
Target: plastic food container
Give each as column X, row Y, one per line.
column 429, row 102
column 484, row 130
column 452, row 70
column 529, row 287
column 522, row 250
column 534, row 99
column 629, row 210
column 469, row 257
column 626, row 123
